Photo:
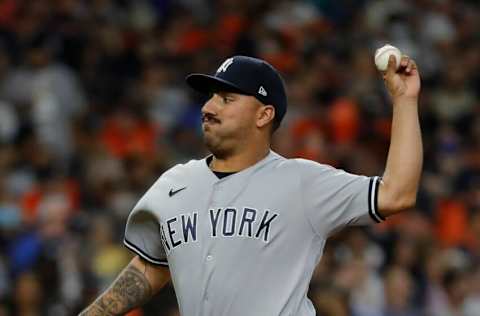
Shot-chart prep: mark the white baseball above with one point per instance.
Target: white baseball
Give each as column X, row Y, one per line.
column 383, row 54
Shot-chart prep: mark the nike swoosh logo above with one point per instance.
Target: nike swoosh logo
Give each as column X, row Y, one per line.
column 172, row 192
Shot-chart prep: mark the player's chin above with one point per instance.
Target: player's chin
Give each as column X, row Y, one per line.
column 212, row 143
column 209, row 139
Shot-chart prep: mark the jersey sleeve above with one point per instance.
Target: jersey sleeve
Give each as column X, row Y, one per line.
column 142, row 234
column 334, row 198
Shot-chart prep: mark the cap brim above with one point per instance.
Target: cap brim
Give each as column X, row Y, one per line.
column 208, row 84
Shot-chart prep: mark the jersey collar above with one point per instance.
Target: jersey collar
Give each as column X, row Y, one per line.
column 269, row 157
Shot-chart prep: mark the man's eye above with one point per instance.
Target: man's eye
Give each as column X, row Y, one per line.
column 227, row 99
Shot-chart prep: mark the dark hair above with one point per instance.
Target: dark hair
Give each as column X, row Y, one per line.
column 275, row 124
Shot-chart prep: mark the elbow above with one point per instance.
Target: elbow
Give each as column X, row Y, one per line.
column 395, row 197
column 406, row 203
column 398, row 203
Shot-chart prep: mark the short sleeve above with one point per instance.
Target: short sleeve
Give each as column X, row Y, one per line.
column 142, row 234
column 334, row 198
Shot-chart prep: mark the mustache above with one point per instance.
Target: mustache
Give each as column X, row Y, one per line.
column 207, row 117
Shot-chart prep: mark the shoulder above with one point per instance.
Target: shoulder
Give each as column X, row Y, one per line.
column 301, row 169
column 177, row 175
column 182, row 170
column 304, row 165
column 309, row 171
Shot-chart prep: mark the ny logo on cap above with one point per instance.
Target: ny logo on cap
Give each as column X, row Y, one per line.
column 262, row 91
column 225, row 65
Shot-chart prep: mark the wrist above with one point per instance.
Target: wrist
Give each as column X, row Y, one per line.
column 405, row 101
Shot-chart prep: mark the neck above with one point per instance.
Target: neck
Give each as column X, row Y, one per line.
column 240, row 161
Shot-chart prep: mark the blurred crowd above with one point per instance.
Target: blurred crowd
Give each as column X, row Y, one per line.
column 93, row 108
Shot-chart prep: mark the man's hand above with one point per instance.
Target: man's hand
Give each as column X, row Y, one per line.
column 403, row 84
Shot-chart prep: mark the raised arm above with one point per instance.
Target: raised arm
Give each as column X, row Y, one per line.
column 401, row 179
column 135, row 285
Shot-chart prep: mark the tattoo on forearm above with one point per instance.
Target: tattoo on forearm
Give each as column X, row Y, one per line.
column 130, row 289
column 95, row 310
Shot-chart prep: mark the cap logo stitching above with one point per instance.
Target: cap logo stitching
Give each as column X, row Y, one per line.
column 225, row 65
column 262, row 91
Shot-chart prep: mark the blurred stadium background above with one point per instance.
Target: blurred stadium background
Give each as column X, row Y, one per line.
column 93, row 108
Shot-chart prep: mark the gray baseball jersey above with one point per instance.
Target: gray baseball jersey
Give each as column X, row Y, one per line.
column 247, row 244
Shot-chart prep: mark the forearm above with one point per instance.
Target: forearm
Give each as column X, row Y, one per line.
column 135, row 285
column 405, row 158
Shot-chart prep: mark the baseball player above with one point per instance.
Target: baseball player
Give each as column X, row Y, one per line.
column 241, row 231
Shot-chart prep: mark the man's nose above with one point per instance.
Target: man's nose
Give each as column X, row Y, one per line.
column 209, row 107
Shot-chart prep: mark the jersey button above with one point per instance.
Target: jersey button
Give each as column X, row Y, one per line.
column 209, row 258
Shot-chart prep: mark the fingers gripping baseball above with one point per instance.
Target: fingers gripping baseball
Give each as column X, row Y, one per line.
column 403, row 82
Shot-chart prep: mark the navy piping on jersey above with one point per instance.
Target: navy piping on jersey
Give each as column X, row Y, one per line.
column 219, row 174
column 142, row 254
column 373, row 199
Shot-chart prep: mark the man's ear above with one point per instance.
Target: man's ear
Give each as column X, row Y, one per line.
column 265, row 115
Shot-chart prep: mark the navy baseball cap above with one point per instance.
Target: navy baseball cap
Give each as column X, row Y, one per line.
column 245, row 75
